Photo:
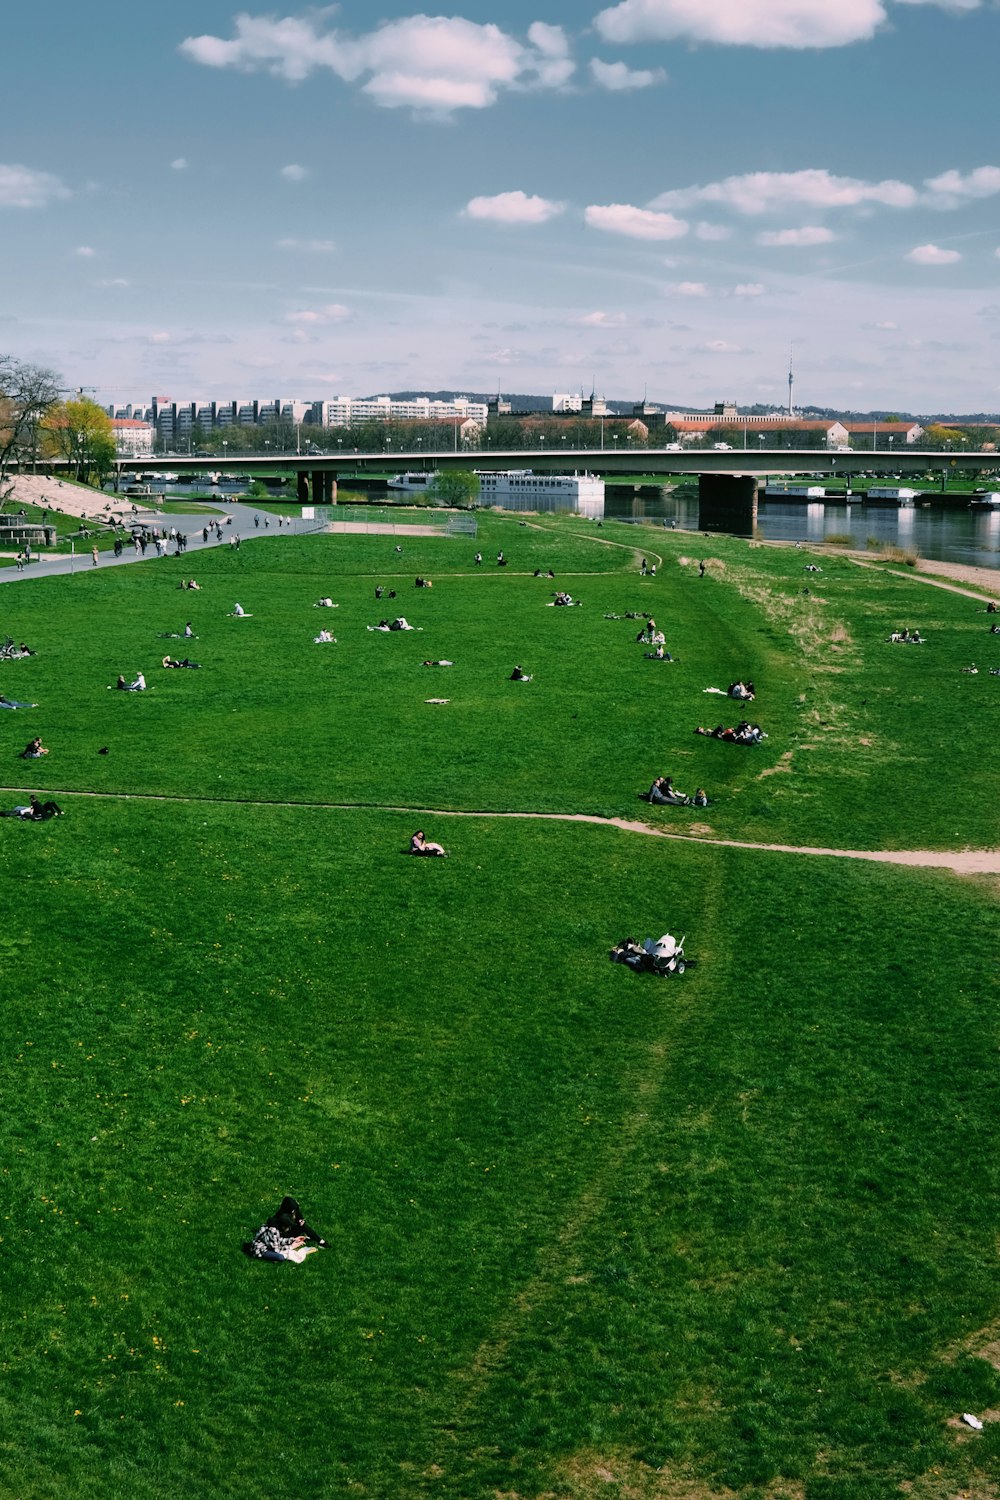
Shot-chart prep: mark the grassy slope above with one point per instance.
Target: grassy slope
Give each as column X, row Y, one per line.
column 582, row 1222
column 870, row 745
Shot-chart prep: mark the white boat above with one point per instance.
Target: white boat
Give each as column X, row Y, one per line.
column 989, row 498
column 414, row 482
column 523, row 489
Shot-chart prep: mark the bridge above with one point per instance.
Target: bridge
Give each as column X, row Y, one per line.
column 728, row 479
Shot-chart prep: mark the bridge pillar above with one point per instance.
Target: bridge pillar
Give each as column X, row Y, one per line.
column 727, row 502
column 302, row 487
column 324, row 487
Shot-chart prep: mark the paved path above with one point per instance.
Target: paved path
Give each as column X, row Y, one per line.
column 959, row 861
column 192, row 525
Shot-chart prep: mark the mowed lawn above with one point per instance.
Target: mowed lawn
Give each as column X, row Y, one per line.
column 591, row 1233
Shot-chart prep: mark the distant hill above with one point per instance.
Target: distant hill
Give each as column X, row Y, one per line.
column 522, row 402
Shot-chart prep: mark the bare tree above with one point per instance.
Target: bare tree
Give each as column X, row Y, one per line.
column 27, row 392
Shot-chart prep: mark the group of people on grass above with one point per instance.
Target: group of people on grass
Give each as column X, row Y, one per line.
column 664, row 793
column 743, row 733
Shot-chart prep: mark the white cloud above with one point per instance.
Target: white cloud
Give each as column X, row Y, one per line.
column 159, row 338
column 815, row 187
column 294, row 173
column 712, row 232
column 747, row 23
column 637, row 223
column 809, row 234
column 113, row 281
column 601, row 320
column 617, row 76
column 513, row 208
column 951, row 189
column 432, row 64
column 311, row 247
column 719, row 346
column 308, row 246
column 749, row 289
column 179, row 164
column 85, row 251
column 21, row 187
column 319, row 317
column 932, row 255
column 691, row 289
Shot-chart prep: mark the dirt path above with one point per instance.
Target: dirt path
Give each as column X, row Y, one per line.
column 960, row 861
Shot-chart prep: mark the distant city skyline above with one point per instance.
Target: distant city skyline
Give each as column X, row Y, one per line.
column 649, row 195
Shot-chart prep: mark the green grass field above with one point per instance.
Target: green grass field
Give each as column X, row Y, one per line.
column 591, row 1233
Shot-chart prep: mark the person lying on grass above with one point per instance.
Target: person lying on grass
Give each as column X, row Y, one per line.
column 443, row 662
column 6, row 702
column 170, row 661
column 908, row 637
column 562, row 599
column 285, row 1236
column 419, row 844
column 34, row 749
column 743, row 734
column 325, row 604
column 35, row 811
column 660, row 654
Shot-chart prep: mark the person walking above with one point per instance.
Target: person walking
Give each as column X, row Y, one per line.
column 93, row 553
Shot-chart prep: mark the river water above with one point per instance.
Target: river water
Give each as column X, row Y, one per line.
column 944, row 533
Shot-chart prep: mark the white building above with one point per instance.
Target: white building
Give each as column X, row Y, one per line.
column 133, row 439
column 342, row 411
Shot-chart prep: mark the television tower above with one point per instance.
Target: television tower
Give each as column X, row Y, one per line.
column 791, row 379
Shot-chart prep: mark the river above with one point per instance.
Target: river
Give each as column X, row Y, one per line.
column 946, row 534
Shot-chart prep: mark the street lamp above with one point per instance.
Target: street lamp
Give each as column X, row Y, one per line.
column 760, row 439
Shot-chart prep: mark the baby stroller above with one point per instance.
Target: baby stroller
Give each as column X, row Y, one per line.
column 664, row 955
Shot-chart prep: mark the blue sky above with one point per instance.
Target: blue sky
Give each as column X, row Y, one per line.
column 660, row 195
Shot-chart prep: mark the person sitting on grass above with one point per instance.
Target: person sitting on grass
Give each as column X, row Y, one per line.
column 138, row 686
column 34, row 749
column 660, row 654
column 324, row 639
column 663, row 792
column 743, row 691
column 239, row 613
column 422, row 583
column 700, row 798
column 285, row 1236
column 520, row 675
column 419, row 844
column 325, row 604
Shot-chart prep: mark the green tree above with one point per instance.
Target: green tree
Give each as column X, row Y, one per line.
column 81, row 431
column 456, row 487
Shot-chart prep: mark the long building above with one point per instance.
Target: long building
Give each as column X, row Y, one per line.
column 174, row 420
